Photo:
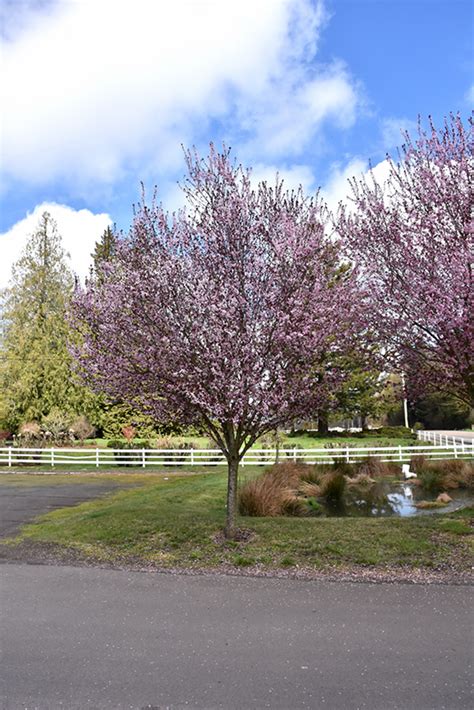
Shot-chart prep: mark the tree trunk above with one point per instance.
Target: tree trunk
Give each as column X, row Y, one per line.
column 233, row 469
column 363, row 422
column 323, row 422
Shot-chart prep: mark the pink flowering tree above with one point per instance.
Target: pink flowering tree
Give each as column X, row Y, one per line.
column 220, row 315
column 412, row 239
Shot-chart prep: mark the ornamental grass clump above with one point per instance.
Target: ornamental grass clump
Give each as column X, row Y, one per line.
column 275, row 492
column 436, row 476
column 333, row 486
column 375, row 468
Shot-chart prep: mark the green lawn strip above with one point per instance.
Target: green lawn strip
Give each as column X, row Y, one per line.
column 305, row 441
column 177, row 523
column 308, row 441
column 73, row 474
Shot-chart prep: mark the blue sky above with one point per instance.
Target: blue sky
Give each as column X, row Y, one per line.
column 99, row 96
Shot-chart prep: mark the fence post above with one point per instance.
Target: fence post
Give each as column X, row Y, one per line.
column 9, row 457
column 52, row 458
column 143, row 458
column 455, row 448
column 348, row 458
column 97, row 458
column 400, row 453
column 192, row 457
column 294, row 453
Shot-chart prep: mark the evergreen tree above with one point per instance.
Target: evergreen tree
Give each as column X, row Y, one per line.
column 35, row 366
column 104, row 251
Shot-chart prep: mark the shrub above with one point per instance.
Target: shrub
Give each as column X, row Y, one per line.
column 164, row 443
column 344, row 468
column 29, row 431
column 432, row 479
column 462, row 472
column 29, row 436
column 375, row 468
column 417, row 462
column 123, row 445
column 129, row 432
column 118, row 416
column 435, row 476
column 273, row 493
column 82, row 428
column 56, row 425
column 392, row 432
column 181, row 448
column 333, row 486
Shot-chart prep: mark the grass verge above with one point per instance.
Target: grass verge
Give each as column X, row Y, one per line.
column 176, row 523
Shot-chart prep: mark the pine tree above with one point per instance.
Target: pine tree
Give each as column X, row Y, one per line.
column 103, row 252
column 35, row 366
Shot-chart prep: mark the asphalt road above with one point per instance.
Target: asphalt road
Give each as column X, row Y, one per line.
column 77, row 638
column 21, row 504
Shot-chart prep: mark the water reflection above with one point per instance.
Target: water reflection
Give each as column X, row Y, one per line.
column 384, row 499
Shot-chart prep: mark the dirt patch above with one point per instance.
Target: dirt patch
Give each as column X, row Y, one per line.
column 29, row 552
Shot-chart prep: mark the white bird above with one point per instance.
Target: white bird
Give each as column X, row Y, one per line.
column 406, row 471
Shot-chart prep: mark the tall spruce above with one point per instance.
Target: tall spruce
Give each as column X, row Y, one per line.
column 104, row 251
column 35, row 366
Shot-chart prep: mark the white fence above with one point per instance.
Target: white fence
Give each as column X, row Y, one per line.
column 13, row 456
column 438, row 437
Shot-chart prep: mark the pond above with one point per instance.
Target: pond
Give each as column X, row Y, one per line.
column 384, row 499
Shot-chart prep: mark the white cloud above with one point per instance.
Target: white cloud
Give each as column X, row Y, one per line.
column 286, row 118
column 337, row 186
column 293, row 176
column 93, row 89
column 470, row 95
column 79, row 229
column 393, row 130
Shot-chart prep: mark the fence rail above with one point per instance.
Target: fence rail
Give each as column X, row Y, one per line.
column 437, row 437
column 52, row 457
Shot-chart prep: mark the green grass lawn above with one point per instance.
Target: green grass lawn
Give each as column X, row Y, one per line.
column 307, row 440
column 177, row 523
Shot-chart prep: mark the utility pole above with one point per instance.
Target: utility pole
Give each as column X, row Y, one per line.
column 405, row 401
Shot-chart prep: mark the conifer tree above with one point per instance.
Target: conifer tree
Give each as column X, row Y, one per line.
column 35, row 366
column 104, row 251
